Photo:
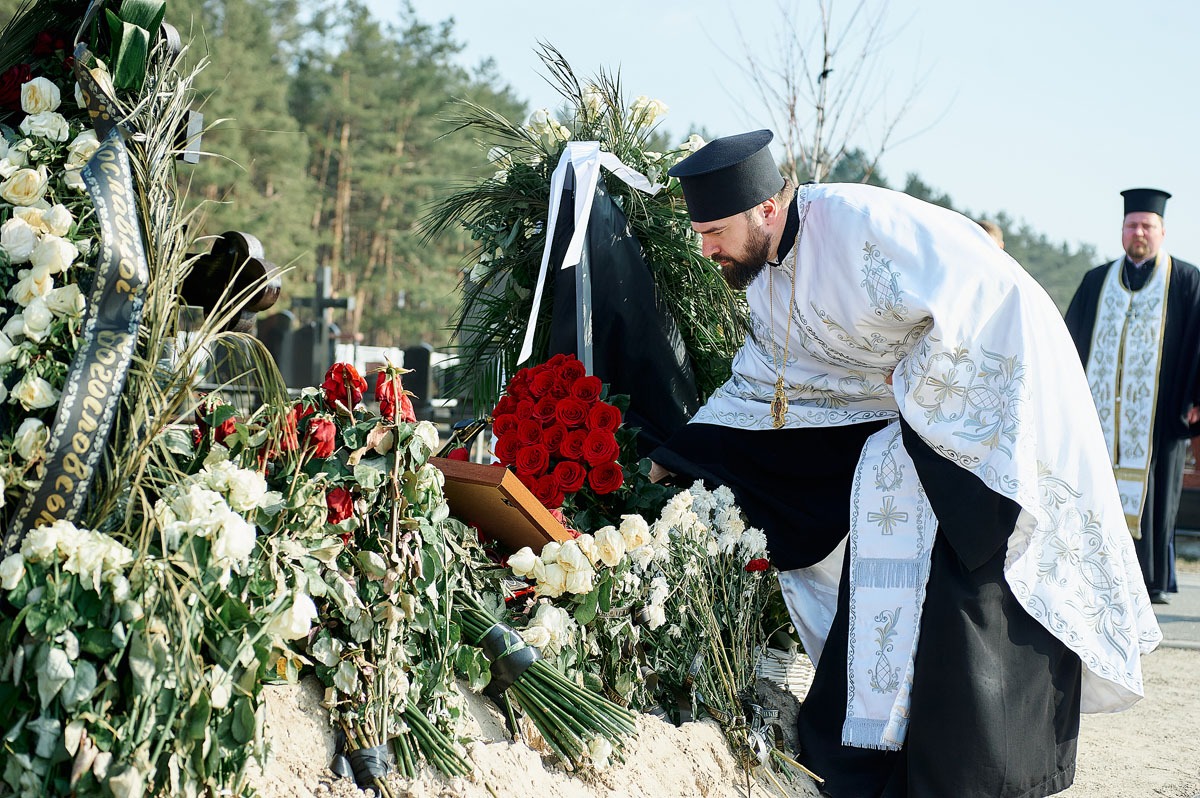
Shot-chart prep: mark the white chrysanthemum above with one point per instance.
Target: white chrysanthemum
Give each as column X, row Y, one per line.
column 727, row 542
column 754, row 542
column 729, row 519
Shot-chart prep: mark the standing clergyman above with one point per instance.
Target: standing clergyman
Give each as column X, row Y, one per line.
column 1136, row 322
column 905, row 388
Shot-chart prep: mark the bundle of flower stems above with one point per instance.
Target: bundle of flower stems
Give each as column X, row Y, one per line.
column 422, row 739
column 569, row 716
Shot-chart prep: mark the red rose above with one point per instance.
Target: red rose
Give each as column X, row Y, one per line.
column 571, row 412
column 587, row 389
column 547, row 491
column 557, row 360
column 561, row 389
column 604, row 416
column 208, row 412
column 525, row 409
column 394, row 402
column 50, row 41
column 518, row 387
column 572, row 445
column 505, row 425
column 541, row 383
column 10, row 86
column 570, row 475
column 571, row 370
column 343, row 385
column 545, row 409
column 757, row 564
column 505, row 406
column 322, row 437
column 458, row 454
column 197, row 437
column 606, row 478
column 340, row 504
column 507, row 447
column 529, row 431
column 600, row 447
column 553, row 436
column 532, row 460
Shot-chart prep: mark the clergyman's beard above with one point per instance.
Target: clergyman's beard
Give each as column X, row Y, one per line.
column 740, row 272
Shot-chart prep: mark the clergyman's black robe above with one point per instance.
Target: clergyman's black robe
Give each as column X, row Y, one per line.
column 1178, row 389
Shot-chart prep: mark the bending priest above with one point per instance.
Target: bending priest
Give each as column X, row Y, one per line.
column 907, row 388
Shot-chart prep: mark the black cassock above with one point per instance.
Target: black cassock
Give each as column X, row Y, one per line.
column 1178, row 389
column 994, row 707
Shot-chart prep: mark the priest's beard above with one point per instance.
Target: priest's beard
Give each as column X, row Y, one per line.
column 740, row 271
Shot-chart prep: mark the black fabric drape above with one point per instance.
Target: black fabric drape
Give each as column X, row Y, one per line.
column 637, row 348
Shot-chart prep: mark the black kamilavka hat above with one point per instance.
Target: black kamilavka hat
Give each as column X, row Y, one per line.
column 1148, row 200
column 728, row 176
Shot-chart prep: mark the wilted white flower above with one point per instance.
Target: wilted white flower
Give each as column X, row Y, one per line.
column 557, row 624
column 34, row 393
column 694, row 142
column 642, row 556
column 537, row 636
column 41, row 544
column 11, row 571
column 39, row 95
column 500, row 157
column 522, row 562
column 587, row 544
column 247, row 491
column 610, row 546
column 53, row 254
column 17, row 239
column 47, row 125
column 129, row 783
column 296, row 622
column 656, row 616
column 599, row 752
column 31, row 283
column 25, row 187
column 30, row 439
column 236, row 539
column 427, row 433
column 593, row 100
column 82, row 148
column 572, row 558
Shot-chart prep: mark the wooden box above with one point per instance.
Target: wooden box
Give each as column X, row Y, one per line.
column 493, row 499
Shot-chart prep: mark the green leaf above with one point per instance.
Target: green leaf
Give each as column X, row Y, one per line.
column 147, row 14
column 80, row 687
column 586, row 611
column 115, row 26
column 130, row 68
column 370, row 473
column 200, row 715
column 605, row 592
column 243, row 720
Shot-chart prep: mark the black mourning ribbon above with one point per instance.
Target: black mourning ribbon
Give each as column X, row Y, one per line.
column 510, row 656
column 364, row 765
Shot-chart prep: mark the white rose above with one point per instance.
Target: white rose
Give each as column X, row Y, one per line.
column 555, row 620
column 599, row 751
column 694, row 142
column 236, row 541
column 81, row 149
column 656, row 616
column 247, row 491
column 41, row 544
column 296, row 622
column 85, row 557
column 31, row 438
column 25, row 187
column 553, row 582
column 37, row 319
column 58, row 220
column 9, row 167
column 572, row 558
column 48, row 125
column 587, row 544
column 17, row 239
column 635, row 531
column 31, row 284
column 11, row 571
column 610, row 546
column 39, row 95
column 65, row 301
column 427, row 433
column 646, row 110
column 34, row 393
column 522, row 562
column 550, row 552
column 198, row 507
column 54, row 254
column 536, row 636
column 580, row 582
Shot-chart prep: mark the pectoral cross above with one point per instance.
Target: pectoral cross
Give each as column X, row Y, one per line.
column 779, row 404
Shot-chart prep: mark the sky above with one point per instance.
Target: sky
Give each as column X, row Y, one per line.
column 1043, row 109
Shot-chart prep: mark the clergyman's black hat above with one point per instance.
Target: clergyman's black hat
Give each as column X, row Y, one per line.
column 1149, row 200
column 728, row 176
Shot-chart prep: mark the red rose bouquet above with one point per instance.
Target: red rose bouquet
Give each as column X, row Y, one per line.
column 556, row 432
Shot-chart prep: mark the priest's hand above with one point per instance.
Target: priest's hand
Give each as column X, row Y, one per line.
column 1193, row 415
column 658, row 473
